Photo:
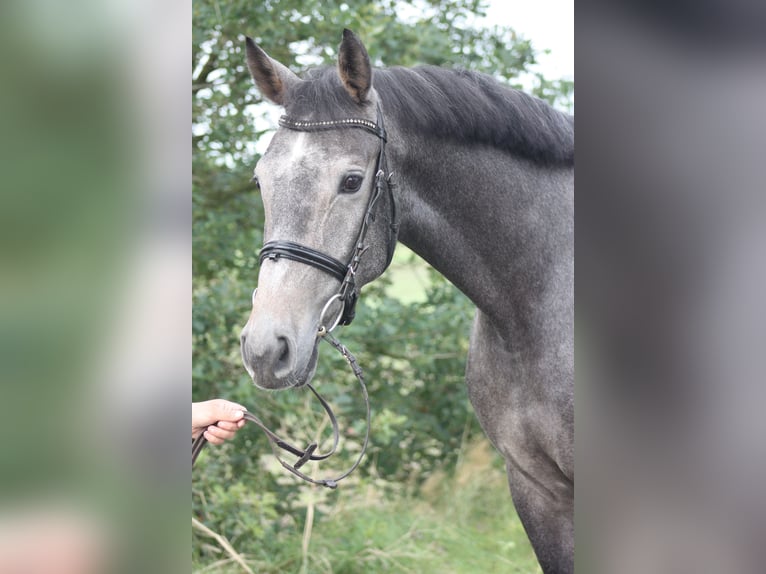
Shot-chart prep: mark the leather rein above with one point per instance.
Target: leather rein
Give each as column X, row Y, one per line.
column 347, row 295
column 309, row 453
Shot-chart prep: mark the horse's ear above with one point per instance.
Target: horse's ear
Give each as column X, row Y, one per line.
column 272, row 78
column 354, row 67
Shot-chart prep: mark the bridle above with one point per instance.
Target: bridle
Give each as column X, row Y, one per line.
column 344, row 272
column 347, row 295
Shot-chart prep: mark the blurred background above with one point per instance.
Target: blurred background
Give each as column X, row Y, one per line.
column 95, row 319
column 431, row 491
column 670, row 327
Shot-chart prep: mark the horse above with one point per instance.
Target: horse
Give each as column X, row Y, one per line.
column 475, row 177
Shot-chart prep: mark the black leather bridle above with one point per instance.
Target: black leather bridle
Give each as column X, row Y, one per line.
column 347, row 295
column 344, row 272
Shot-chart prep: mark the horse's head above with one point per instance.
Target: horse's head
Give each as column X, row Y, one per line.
column 321, row 177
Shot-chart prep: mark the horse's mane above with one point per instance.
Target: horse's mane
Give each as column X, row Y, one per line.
column 452, row 104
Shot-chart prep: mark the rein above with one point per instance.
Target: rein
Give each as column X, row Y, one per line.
column 306, row 454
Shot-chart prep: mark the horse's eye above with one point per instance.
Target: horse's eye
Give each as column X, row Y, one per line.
column 352, row 183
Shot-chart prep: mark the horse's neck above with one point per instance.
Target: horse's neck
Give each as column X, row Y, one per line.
column 498, row 228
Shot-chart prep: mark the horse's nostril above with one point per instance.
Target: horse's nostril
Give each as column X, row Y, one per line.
column 283, row 353
column 268, row 358
column 242, row 339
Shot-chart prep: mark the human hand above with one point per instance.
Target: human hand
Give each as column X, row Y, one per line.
column 218, row 419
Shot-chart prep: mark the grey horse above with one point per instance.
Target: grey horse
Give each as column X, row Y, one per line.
column 484, row 191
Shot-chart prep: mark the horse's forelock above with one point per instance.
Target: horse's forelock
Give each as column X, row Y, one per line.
column 321, row 96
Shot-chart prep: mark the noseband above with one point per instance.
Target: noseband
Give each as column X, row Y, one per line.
column 344, row 272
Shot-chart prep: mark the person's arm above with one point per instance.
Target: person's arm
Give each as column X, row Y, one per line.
column 218, row 419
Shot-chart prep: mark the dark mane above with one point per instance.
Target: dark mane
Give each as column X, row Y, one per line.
column 451, row 104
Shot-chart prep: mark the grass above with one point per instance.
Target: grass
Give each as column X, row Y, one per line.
column 463, row 523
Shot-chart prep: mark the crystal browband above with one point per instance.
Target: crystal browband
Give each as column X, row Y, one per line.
column 306, row 126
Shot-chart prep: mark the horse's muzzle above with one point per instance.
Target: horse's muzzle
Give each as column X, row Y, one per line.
column 269, row 360
column 275, row 359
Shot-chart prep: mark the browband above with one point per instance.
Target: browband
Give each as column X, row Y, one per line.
column 305, row 126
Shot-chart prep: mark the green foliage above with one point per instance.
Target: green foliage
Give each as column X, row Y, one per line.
column 421, row 415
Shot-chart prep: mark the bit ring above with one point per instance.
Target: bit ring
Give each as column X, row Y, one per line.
column 322, row 328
